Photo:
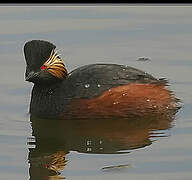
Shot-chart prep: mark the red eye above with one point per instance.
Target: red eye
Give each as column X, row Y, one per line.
column 42, row 67
column 46, row 165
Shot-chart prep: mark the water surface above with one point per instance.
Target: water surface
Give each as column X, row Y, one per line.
column 158, row 149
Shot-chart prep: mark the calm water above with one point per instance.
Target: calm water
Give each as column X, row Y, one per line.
column 141, row 149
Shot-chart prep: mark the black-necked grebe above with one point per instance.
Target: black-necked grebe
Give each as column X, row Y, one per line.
column 95, row 90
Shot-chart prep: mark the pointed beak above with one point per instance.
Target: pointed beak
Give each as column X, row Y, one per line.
column 30, row 76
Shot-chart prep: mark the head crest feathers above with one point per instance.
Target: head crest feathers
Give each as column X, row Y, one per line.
column 37, row 51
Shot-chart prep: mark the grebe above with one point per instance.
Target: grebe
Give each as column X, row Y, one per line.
column 90, row 91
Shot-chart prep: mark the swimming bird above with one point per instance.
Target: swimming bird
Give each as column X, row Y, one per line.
column 93, row 90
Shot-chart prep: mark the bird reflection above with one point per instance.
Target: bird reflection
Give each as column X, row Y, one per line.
column 53, row 139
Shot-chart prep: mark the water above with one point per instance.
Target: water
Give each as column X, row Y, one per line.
column 107, row 150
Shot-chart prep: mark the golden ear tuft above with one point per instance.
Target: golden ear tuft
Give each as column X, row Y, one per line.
column 57, row 161
column 55, row 66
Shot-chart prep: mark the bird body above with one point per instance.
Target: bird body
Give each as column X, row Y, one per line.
column 95, row 90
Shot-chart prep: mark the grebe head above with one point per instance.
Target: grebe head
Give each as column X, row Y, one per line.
column 43, row 64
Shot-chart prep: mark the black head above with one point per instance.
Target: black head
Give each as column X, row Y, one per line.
column 44, row 66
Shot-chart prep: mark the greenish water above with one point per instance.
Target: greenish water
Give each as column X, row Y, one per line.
column 107, row 150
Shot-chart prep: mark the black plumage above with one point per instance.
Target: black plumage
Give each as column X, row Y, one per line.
column 50, row 94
